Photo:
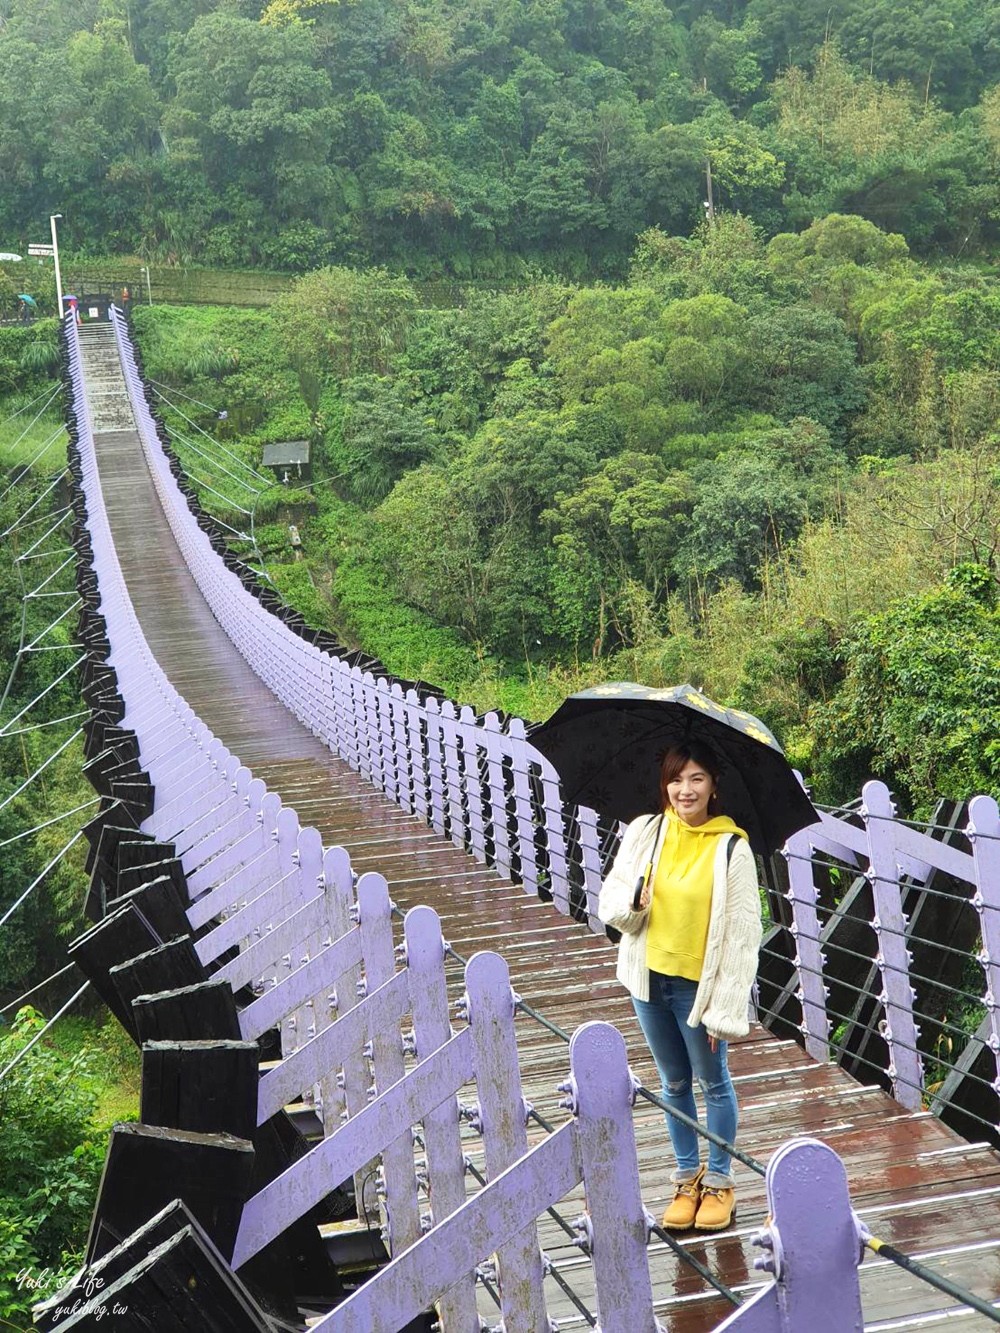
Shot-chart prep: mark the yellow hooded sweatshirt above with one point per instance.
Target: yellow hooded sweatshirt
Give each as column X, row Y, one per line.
column 682, row 895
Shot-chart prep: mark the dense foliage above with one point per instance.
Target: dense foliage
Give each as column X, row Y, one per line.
column 482, row 138
column 717, row 470
column 55, row 1114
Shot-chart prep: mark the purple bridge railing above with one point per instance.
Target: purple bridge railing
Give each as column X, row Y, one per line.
column 317, row 949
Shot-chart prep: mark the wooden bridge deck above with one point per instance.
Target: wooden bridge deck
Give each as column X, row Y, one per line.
column 913, row 1181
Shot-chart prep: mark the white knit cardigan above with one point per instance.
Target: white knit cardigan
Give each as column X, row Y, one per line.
column 734, row 928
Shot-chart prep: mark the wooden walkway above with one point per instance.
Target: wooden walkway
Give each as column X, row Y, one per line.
column 913, row 1181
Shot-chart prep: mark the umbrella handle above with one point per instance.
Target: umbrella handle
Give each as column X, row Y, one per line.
column 643, row 879
column 640, row 886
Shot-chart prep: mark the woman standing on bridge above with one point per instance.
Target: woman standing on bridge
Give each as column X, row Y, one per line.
column 683, row 893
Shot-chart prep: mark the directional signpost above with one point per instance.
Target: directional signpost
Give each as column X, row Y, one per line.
column 42, row 251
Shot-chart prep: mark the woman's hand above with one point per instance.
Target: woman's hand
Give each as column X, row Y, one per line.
column 713, row 1043
column 646, row 897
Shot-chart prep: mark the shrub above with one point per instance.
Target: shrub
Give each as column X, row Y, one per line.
column 50, row 1159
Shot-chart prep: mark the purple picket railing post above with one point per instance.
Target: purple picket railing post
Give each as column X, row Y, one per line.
column 419, row 776
column 340, row 1103
column 590, row 853
column 387, row 741
column 338, row 735
column 812, row 1245
column 220, row 824
column 373, row 730
column 403, row 761
column 366, row 761
column 287, row 894
column 493, row 742
column 212, row 859
column 445, row 1158
column 452, row 772
column 893, row 957
column 984, row 833
column 401, row 1222
column 380, row 1126
column 505, row 1138
column 435, row 766
column 317, row 1009
column 348, row 703
column 553, row 813
column 507, row 1205
column 469, row 735
column 616, row 1225
column 809, row 960
column 520, row 758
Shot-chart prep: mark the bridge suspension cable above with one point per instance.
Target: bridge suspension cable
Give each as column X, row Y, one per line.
column 47, row 445
column 203, row 453
column 226, row 498
column 217, row 443
column 18, row 522
column 38, row 878
column 918, row 1270
column 51, row 626
column 64, row 514
column 157, row 385
column 26, row 833
column 37, row 590
column 16, row 1004
column 39, row 696
column 41, row 769
column 42, row 1031
column 48, row 394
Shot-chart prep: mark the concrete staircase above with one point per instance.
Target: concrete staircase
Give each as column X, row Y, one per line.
column 107, row 396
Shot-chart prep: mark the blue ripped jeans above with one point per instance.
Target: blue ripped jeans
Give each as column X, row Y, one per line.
column 682, row 1053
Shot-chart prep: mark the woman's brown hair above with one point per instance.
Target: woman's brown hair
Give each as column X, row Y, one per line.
column 674, row 761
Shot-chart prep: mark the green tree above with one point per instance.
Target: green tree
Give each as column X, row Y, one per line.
column 920, row 704
column 254, row 114
column 803, row 364
column 621, row 526
column 50, row 1159
column 384, row 434
column 725, row 58
column 753, row 502
column 342, row 322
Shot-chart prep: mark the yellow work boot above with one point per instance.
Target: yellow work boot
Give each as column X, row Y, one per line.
column 680, row 1214
column 717, row 1208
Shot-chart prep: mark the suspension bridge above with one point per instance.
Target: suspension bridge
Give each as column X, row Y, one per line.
column 388, row 1079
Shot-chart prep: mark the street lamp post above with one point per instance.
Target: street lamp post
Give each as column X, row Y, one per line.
column 55, row 256
column 149, row 285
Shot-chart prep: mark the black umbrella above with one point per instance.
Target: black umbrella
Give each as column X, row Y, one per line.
column 607, row 743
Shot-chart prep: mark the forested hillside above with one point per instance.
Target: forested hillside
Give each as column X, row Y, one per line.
column 723, row 469
column 484, row 137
